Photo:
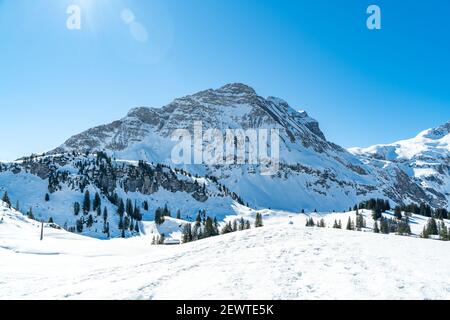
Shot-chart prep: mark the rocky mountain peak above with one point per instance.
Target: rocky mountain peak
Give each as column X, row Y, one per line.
column 237, row 89
column 438, row 133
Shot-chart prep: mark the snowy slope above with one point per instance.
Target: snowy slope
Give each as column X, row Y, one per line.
column 425, row 158
column 28, row 181
column 282, row 260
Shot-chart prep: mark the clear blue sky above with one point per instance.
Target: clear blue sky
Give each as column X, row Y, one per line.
column 365, row 87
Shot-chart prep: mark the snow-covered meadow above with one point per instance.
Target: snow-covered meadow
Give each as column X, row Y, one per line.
column 282, row 260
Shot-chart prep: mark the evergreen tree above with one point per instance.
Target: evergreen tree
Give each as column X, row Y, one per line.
column 79, row 225
column 90, row 221
column 198, row 219
column 349, row 224
column 375, row 228
column 432, row 228
column 216, row 224
column 424, row 233
column 335, row 225
column 136, row 227
column 76, row 208
column 129, row 207
column 227, row 228
column 322, row 223
column 106, row 228
column 50, row 220
column 166, row 211
column 178, row 214
column 120, row 226
column 310, row 222
column 377, row 214
column 161, row 239
column 137, row 213
column 97, row 202
column 398, row 213
column 259, row 220
column 241, row 224
column 187, row 233
column 159, row 217
column 384, row 226
column 360, row 222
column 235, row 225
column 210, row 230
column 403, row 228
column 86, row 202
column 126, row 223
column 443, row 232
column 121, row 208
column 247, row 225
column 47, row 197
column 6, row 199
column 105, row 214
column 99, row 211
column 30, row 214
column 146, row 205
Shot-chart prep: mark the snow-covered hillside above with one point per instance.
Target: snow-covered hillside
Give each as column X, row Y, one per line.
column 425, row 158
column 66, row 179
column 282, row 260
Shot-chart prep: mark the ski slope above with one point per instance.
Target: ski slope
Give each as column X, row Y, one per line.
column 282, row 260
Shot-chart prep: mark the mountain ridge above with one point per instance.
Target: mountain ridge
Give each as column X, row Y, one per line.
column 309, row 162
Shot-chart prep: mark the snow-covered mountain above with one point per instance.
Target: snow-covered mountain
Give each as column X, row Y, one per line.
column 424, row 158
column 314, row 173
column 131, row 159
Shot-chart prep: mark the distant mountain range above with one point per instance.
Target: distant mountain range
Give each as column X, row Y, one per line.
column 314, row 173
